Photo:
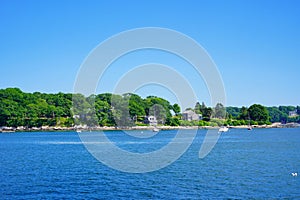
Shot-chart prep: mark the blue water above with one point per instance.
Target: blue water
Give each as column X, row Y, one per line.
column 243, row 165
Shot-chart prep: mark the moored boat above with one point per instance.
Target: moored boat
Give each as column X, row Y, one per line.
column 223, row 129
column 155, row 129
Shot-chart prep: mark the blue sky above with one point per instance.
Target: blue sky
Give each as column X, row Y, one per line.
column 255, row 44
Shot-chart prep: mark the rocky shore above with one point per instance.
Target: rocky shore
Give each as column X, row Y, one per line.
column 81, row 128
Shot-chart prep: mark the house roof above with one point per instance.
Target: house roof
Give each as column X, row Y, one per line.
column 189, row 112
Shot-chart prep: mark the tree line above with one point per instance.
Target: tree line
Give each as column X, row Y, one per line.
column 18, row 108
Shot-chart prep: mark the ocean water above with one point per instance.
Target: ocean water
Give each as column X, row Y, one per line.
column 244, row 164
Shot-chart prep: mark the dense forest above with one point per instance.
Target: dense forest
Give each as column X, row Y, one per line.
column 37, row 109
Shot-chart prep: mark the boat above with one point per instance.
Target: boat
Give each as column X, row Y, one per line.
column 249, row 124
column 155, row 129
column 295, row 174
column 223, row 129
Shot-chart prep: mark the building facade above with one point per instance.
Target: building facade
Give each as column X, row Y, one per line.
column 190, row 115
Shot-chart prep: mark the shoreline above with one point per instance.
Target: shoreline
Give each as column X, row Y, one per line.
column 109, row 128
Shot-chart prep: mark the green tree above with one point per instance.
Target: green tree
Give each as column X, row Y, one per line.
column 176, row 109
column 84, row 111
column 120, row 110
column 259, row 114
column 287, row 109
column 197, row 108
column 233, row 111
column 163, row 114
column 276, row 115
column 244, row 114
column 204, row 110
column 220, row 111
column 159, row 112
column 207, row 113
column 173, row 121
column 136, row 107
column 104, row 114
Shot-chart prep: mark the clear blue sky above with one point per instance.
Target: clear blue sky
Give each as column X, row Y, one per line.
column 255, row 44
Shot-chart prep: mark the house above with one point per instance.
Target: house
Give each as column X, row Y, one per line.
column 76, row 116
column 190, row 115
column 151, row 120
column 293, row 113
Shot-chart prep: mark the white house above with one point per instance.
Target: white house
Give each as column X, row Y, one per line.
column 190, row 115
column 151, row 120
column 293, row 113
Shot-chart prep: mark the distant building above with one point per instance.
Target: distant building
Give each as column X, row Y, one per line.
column 151, row 120
column 76, row 116
column 190, row 115
column 293, row 113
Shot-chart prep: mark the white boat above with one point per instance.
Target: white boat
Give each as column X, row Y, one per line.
column 155, row 129
column 223, row 129
column 295, row 174
column 249, row 123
